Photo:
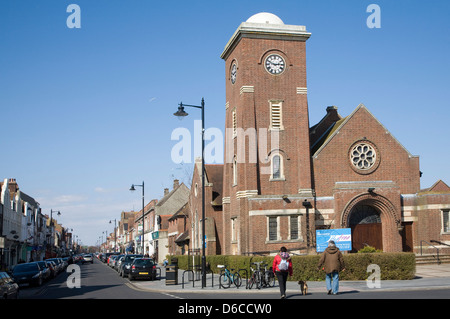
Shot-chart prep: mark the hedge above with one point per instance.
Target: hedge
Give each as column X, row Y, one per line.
column 393, row 266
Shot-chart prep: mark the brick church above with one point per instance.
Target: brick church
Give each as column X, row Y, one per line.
column 284, row 178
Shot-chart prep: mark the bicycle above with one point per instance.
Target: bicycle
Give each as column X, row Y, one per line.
column 227, row 277
column 268, row 278
column 255, row 278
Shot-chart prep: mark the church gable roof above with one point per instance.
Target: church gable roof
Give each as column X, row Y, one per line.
column 439, row 187
column 341, row 124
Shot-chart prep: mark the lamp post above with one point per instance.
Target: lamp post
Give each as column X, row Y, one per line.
column 143, row 206
column 115, row 239
column 307, row 205
column 181, row 113
column 52, row 241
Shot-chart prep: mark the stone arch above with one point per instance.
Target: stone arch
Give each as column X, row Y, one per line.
column 390, row 218
column 387, row 209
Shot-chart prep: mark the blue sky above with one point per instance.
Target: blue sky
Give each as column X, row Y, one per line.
column 87, row 112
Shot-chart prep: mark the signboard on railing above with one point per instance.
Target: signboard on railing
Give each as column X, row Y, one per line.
column 342, row 237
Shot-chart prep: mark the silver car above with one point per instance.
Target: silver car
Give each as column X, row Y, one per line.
column 87, row 258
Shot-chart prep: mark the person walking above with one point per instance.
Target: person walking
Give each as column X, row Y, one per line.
column 282, row 267
column 332, row 262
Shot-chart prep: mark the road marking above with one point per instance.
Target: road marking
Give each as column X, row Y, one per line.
column 134, row 287
column 172, row 296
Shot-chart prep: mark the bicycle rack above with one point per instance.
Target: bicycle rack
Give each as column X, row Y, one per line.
column 182, row 281
column 158, row 269
column 246, row 276
column 193, row 280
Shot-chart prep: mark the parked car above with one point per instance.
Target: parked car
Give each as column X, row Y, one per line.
column 118, row 261
column 9, row 289
column 106, row 256
column 28, row 273
column 126, row 262
column 47, row 273
column 65, row 262
column 87, row 258
column 111, row 259
column 58, row 263
column 52, row 267
column 142, row 268
column 69, row 260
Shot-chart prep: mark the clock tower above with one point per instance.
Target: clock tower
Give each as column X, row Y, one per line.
column 267, row 165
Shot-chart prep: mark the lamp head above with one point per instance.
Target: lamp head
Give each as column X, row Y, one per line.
column 132, row 188
column 180, row 113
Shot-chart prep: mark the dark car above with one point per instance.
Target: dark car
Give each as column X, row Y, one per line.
column 9, row 289
column 142, row 268
column 28, row 273
column 126, row 262
column 45, row 267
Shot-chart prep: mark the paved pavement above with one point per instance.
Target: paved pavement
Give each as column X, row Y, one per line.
column 427, row 277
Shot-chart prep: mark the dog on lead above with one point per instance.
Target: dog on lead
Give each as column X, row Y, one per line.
column 303, row 287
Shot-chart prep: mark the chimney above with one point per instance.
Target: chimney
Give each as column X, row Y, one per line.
column 176, row 183
column 331, row 109
column 166, row 191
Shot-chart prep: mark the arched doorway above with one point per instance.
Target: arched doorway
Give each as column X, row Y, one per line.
column 365, row 223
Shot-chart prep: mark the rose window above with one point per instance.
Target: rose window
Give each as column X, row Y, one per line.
column 363, row 156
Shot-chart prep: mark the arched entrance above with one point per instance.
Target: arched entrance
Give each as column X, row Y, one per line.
column 375, row 220
column 365, row 223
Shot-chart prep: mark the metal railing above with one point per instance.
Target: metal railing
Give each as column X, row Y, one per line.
column 437, row 249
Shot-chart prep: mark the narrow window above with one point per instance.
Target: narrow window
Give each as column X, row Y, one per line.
column 294, row 227
column 233, row 230
column 445, row 221
column 273, row 226
column 234, row 171
column 276, row 167
column 234, row 123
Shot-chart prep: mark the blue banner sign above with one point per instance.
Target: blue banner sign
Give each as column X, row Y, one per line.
column 342, row 237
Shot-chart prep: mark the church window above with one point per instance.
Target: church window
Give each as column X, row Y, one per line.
column 277, row 167
column 363, row 157
column 234, row 123
column 294, row 227
column 446, row 221
column 234, row 171
column 273, row 228
column 233, row 229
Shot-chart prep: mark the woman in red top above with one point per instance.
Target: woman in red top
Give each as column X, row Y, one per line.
column 282, row 267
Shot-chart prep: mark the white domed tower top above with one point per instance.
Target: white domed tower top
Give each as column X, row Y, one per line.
column 265, row 17
column 268, row 26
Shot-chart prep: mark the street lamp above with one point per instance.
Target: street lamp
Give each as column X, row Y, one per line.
column 52, row 240
column 143, row 206
column 181, row 113
column 115, row 239
column 307, row 205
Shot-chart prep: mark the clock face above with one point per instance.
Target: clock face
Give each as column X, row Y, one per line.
column 275, row 64
column 233, row 73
